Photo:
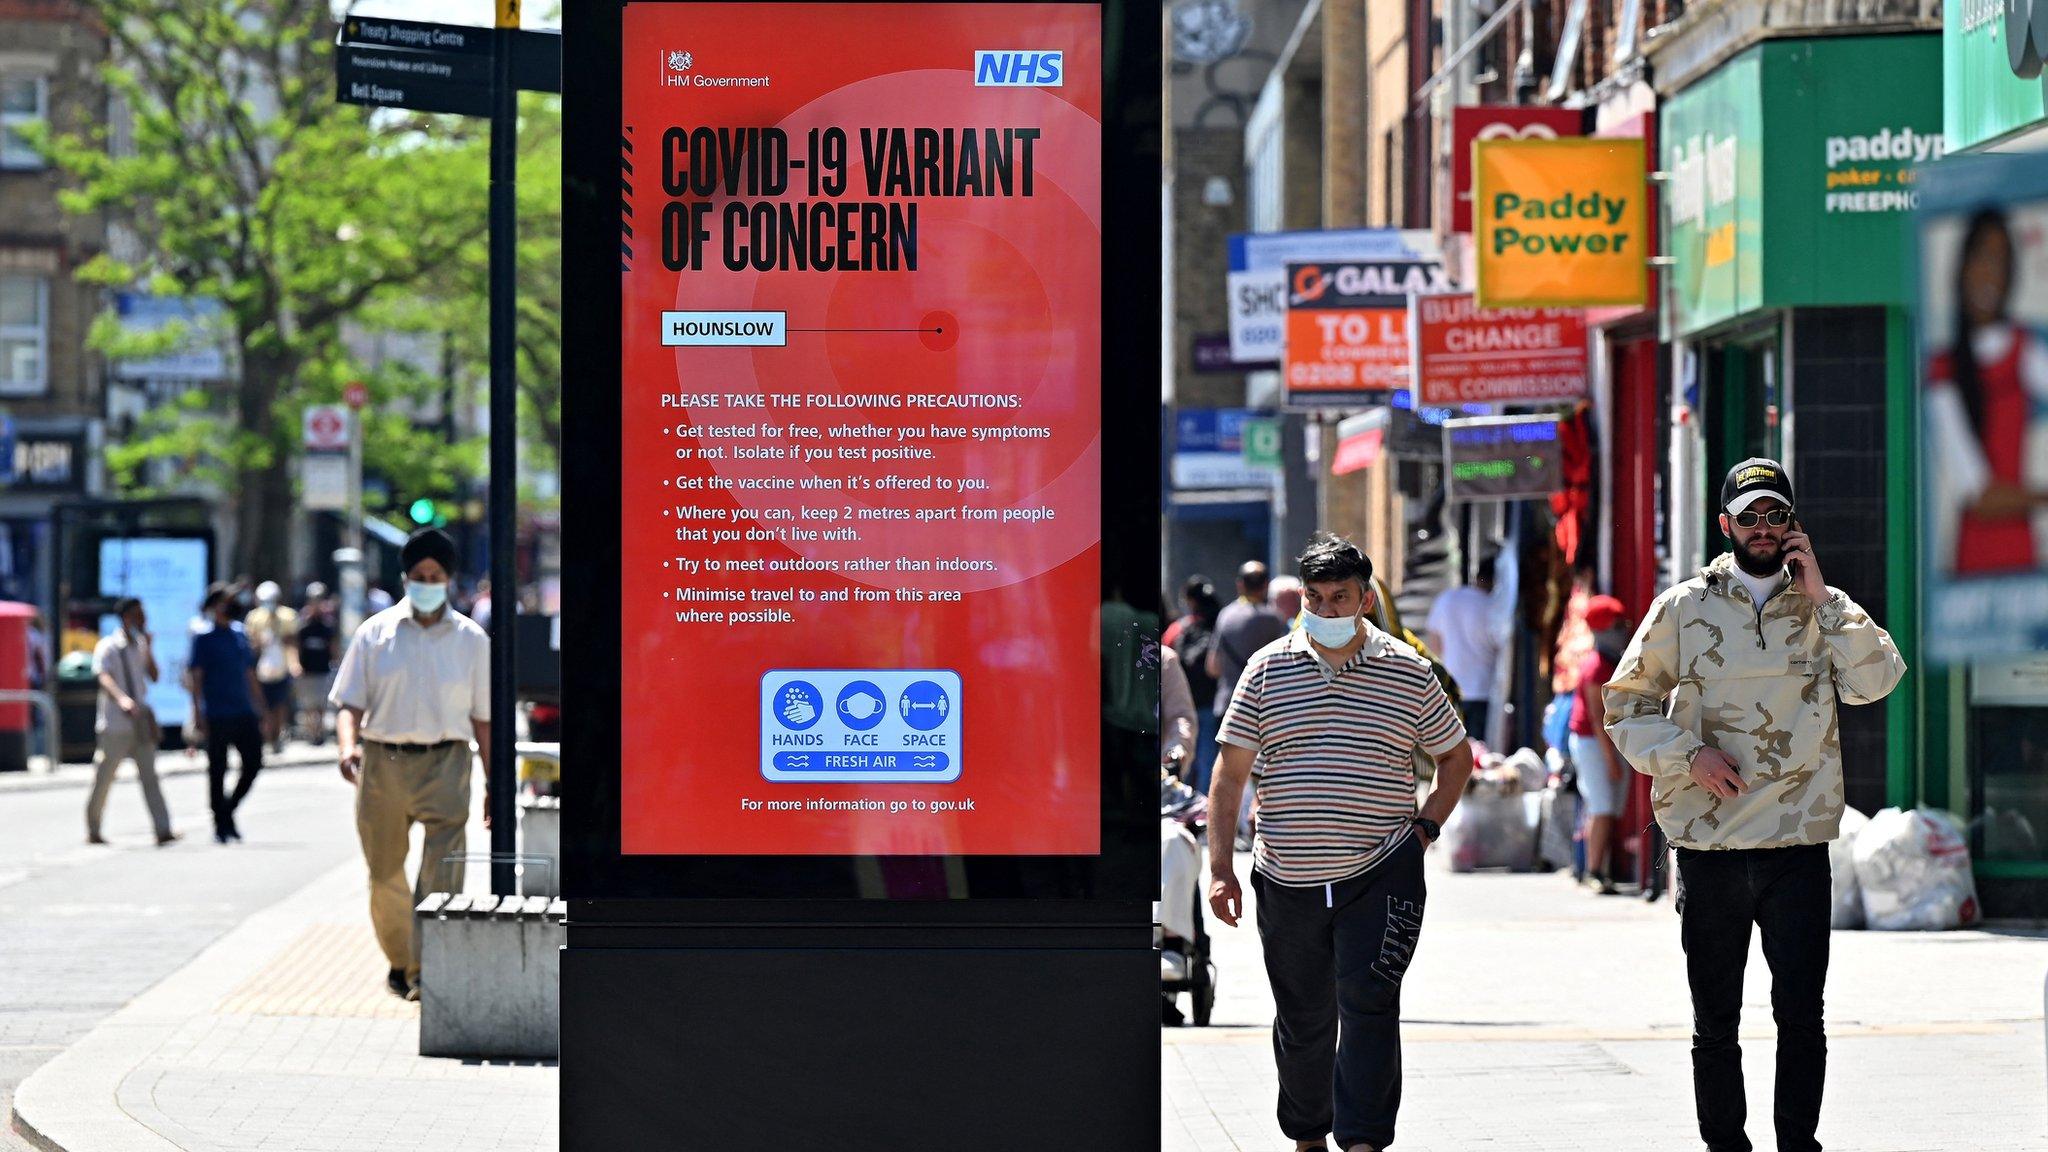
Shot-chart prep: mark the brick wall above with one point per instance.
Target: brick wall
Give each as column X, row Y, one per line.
column 1201, row 259
column 55, row 38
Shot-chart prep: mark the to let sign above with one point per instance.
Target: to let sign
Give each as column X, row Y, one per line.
column 1347, row 327
column 1560, row 223
column 1465, row 354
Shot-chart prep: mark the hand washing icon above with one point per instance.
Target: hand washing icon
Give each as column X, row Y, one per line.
column 798, row 705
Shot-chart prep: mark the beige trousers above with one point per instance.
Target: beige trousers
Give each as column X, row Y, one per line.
column 116, row 745
column 396, row 790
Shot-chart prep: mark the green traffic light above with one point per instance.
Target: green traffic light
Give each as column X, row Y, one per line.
column 422, row 512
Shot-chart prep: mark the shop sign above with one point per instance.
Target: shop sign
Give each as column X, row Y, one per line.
column 1790, row 186
column 1560, row 223
column 47, row 462
column 1257, row 280
column 1360, row 440
column 1991, row 68
column 1465, row 354
column 1213, row 448
column 1347, row 328
column 1502, row 458
column 1498, row 122
column 188, row 336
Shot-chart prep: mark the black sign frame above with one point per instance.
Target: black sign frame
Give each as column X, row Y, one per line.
column 607, row 887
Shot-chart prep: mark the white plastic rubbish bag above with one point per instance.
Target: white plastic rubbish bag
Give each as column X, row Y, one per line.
column 1559, row 823
column 1491, row 828
column 1848, row 911
column 1914, row 870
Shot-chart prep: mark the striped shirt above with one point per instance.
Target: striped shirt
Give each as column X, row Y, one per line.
column 1337, row 793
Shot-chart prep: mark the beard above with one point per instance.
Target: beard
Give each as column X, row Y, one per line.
column 1766, row 562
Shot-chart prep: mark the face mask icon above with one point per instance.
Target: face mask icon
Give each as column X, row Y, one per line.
column 860, row 706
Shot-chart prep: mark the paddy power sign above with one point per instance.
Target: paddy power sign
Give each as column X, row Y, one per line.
column 1560, row 223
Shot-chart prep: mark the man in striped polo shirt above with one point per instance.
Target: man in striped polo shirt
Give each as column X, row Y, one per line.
column 1334, row 712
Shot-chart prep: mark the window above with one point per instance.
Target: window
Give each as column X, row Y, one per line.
column 24, row 335
column 24, row 100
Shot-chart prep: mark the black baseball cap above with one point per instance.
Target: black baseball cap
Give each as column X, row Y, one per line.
column 1754, row 479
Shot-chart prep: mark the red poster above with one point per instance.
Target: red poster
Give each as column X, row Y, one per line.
column 1498, row 122
column 1465, row 354
column 862, row 451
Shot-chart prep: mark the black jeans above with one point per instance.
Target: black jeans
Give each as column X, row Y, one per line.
column 245, row 735
column 1785, row 893
column 1337, row 953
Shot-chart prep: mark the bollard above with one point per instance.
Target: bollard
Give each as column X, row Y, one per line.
column 490, row 975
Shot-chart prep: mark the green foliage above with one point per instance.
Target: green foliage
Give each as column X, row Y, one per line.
column 244, row 180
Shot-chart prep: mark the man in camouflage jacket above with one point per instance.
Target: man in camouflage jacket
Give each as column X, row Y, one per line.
column 1752, row 657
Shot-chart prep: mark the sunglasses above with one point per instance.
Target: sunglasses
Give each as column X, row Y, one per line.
column 1776, row 518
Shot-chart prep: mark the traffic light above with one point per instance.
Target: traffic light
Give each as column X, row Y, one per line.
column 423, row 512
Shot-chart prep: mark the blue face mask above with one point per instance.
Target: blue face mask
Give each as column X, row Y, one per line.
column 1330, row 631
column 427, row 598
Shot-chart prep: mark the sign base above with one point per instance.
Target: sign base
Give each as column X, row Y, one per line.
column 881, row 1049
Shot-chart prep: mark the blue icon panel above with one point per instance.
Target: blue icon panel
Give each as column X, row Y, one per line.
column 867, row 726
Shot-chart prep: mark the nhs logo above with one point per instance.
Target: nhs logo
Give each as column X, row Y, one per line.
column 1018, row 69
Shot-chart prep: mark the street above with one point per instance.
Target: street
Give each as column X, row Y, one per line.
column 1539, row 1017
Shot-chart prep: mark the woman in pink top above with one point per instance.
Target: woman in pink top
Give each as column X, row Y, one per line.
column 1601, row 769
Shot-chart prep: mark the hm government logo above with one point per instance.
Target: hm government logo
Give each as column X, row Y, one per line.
column 680, row 61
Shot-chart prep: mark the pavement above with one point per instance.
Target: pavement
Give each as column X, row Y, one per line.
column 1537, row 1016
column 203, row 997
column 206, row 998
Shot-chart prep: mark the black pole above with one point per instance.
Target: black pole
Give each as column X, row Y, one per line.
column 504, row 463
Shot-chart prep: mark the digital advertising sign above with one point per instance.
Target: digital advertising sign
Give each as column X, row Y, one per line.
column 860, row 577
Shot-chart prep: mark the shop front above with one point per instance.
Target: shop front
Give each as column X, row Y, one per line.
column 1785, row 306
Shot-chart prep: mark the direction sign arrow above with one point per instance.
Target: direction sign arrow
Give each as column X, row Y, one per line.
column 447, row 38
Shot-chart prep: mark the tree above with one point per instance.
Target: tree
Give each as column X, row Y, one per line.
column 244, row 179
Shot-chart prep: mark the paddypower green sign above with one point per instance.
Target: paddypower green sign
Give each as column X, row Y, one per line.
column 1992, row 78
column 1792, row 176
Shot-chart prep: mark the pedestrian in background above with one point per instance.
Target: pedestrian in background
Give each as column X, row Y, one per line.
column 1245, row 625
column 1192, row 638
column 1334, row 712
column 1600, row 769
column 1752, row 656
column 318, row 632
column 126, row 727
column 1286, row 593
column 273, row 629
column 226, row 707
column 413, row 690
column 1460, row 631
column 1176, row 716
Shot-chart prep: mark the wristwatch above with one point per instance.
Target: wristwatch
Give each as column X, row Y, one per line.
column 1430, row 828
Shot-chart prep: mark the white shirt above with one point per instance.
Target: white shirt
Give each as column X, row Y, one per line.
column 1462, row 617
column 128, row 663
column 416, row 685
column 1761, row 588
